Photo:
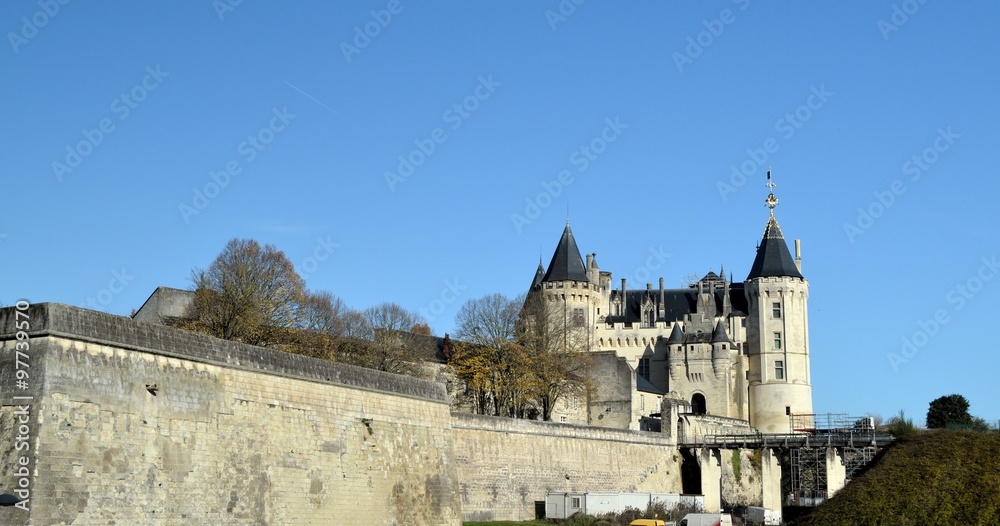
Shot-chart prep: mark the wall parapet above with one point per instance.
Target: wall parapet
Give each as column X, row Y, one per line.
column 74, row 323
column 555, row 429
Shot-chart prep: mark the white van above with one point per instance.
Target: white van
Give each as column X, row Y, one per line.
column 706, row 519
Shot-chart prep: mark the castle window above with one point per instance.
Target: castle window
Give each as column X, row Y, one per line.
column 644, row 368
column 776, row 310
column 777, row 340
column 779, row 370
column 562, row 418
column 578, row 318
column 642, row 402
column 576, row 502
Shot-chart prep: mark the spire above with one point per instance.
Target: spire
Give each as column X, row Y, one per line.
column 773, row 257
column 771, row 201
column 539, row 274
column 719, row 335
column 566, row 264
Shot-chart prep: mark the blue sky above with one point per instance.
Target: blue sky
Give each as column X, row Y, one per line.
column 427, row 153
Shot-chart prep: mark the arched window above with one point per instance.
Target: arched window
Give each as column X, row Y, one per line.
column 698, row 405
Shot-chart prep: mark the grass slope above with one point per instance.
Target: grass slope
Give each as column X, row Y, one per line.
column 937, row 477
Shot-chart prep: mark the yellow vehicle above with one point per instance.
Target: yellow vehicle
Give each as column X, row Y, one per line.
column 646, row 522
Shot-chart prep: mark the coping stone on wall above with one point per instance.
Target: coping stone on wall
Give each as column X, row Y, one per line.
column 74, row 323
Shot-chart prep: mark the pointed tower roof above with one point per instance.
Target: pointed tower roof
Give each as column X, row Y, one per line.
column 773, row 257
column 539, row 274
column 566, row 262
column 676, row 335
column 719, row 334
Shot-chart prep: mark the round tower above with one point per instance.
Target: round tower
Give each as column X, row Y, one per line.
column 777, row 333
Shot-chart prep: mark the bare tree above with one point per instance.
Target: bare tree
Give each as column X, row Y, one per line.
column 323, row 312
column 248, row 293
column 389, row 344
column 490, row 320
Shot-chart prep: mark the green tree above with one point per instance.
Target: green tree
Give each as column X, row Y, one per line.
column 950, row 409
column 901, row 427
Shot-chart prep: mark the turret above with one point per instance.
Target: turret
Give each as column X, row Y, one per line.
column 777, row 333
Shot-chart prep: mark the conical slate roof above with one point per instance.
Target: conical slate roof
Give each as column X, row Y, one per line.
column 719, row 335
column 676, row 335
column 566, row 262
column 539, row 274
column 773, row 258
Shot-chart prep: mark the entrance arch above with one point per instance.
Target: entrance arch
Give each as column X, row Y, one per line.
column 698, row 404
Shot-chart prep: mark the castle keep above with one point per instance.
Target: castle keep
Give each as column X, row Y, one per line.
column 737, row 350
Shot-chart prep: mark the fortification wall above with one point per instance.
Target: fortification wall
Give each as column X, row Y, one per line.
column 506, row 465
column 232, row 434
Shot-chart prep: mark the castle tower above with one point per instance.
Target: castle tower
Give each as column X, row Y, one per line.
column 777, row 332
column 569, row 291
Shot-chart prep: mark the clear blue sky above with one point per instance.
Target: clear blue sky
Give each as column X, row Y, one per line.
column 309, row 117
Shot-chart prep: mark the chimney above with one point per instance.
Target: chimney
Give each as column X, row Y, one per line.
column 798, row 254
column 649, row 287
column 623, row 295
column 663, row 308
column 590, row 261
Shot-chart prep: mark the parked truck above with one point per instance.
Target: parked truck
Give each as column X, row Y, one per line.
column 706, row 519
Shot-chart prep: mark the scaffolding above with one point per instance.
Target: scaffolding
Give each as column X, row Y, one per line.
column 855, row 436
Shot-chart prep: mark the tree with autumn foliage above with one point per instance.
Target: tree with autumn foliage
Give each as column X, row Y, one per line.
column 560, row 347
column 514, row 358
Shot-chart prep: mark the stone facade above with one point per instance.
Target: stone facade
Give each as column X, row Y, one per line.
column 732, row 349
column 230, row 434
column 508, row 465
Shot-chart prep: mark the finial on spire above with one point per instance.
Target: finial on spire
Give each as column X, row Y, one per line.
column 771, row 201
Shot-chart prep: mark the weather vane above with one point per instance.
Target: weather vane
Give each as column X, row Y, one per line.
column 771, row 200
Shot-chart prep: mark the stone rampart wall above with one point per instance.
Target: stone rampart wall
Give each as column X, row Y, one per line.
column 506, row 465
column 232, row 434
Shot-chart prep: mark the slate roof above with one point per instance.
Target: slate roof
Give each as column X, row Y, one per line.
column 539, row 275
column 773, row 258
column 719, row 334
column 644, row 385
column 678, row 302
column 566, row 262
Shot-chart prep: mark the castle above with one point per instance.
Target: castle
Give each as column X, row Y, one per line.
column 735, row 350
